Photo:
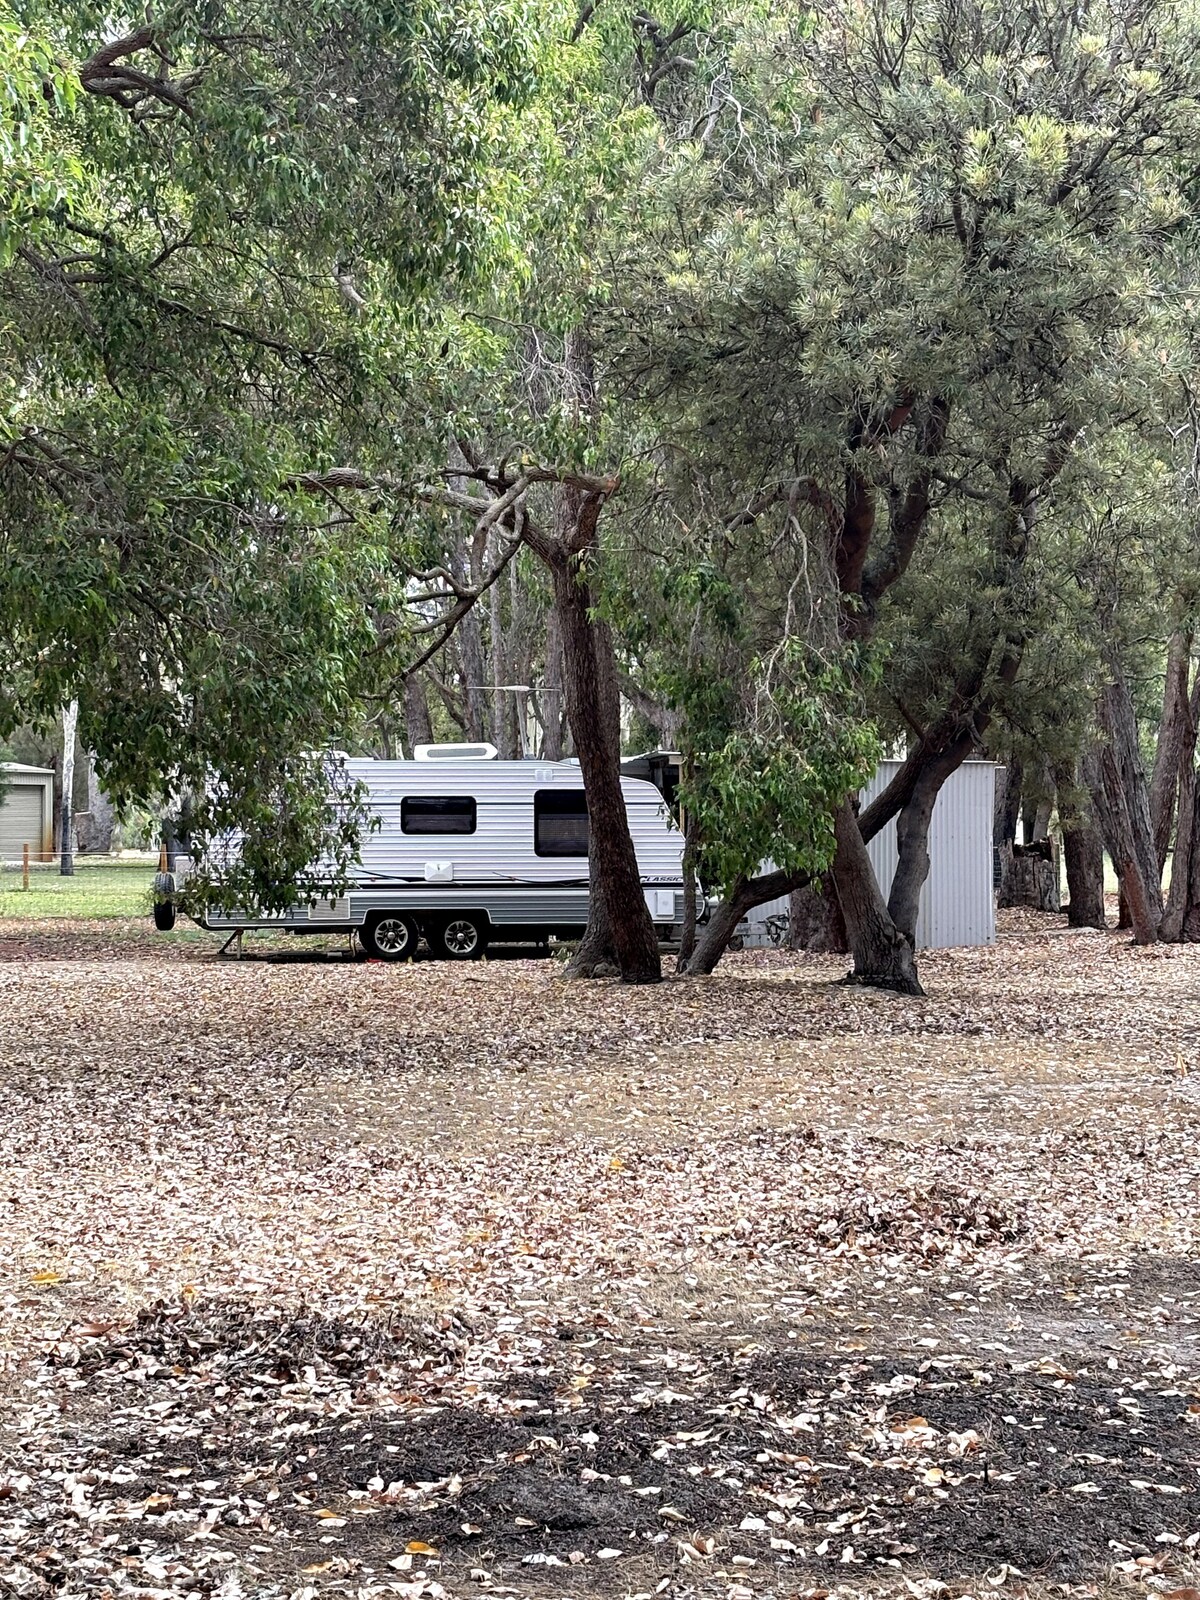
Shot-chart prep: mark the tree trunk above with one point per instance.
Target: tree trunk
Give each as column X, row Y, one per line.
column 1005, row 817
column 596, row 954
column 1008, row 804
column 504, row 733
column 1183, row 899
column 1083, row 852
column 593, row 712
column 1084, row 856
column 1034, row 881
column 1123, row 805
column 883, row 957
column 70, row 721
column 469, row 638
column 815, row 921
column 418, row 725
column 1175, row 733
column 95, row 831
column 1181, row 920
column 687, row 939
column 912, row 834
column 552, row 706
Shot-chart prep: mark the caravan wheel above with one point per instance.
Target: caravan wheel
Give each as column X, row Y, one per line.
column 389, row 936
column 462, row 938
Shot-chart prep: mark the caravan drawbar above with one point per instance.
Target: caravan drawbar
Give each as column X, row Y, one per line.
column 471, row 853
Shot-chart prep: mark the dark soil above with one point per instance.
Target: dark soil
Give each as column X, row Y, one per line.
column 948, row 1467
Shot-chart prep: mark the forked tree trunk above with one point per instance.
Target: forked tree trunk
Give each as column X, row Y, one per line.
column 1083, row 851
column 815, row 920
column 883, row 957
column 1123, row 805
column 593, row 711
column 1176, row 740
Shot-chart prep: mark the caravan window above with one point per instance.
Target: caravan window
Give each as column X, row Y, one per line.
column 438, row 814
column 560, row 823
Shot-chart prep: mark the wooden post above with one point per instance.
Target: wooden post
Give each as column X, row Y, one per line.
column 162, row 857
column 25, row 866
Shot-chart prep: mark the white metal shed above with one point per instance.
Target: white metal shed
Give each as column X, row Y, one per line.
column 26, row 812
column 958, row 906
column 957, row 903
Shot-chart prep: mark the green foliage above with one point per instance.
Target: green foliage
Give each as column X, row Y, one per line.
column 767, row 790
column 216, row 236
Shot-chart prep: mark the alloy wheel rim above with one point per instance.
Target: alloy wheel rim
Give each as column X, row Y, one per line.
column 392, row 936
column 461, row 937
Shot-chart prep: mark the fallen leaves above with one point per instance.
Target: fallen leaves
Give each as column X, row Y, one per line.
column 867, row 1289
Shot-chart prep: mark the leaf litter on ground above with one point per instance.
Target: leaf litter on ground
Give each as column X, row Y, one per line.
column 366, row 1280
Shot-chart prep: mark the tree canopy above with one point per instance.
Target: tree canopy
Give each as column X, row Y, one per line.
column 833, row 365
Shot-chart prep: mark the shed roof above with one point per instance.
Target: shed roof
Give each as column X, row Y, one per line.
column 14, row 767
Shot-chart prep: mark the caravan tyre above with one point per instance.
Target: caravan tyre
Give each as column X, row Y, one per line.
column 463, row 937
column 389, row 936
column 164, row 915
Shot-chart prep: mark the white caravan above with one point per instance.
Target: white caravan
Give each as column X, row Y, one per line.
column 476, row 852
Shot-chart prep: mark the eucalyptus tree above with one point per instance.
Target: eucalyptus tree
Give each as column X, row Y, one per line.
column 214, row 242
column 908, row 263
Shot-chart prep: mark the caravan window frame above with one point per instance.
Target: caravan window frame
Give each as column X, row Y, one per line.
column 548, row 803
column 432, row 806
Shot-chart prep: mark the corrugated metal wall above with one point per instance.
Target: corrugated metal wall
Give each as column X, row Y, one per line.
column 26, row 813
column 957, row 903
column 957, row 906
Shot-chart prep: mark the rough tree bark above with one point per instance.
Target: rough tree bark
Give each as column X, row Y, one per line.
column 70, row 721
column 1083, row 850
column 1123, row 806
column 687, row 938
column 883, row 956
column 95, row 831
column 503, row 728
column 912, row 833
column 593, row 712
column 552, row 708
column 1175, row 733
column 1181, row 918
column 815, row 920
column 1005, row 817
column 418, row 725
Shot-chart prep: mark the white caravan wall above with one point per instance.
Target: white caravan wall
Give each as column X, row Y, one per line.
column 957, row 903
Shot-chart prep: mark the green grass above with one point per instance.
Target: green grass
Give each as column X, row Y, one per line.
column 100, row 889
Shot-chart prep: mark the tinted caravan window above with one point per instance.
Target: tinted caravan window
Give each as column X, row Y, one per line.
column 560, row 823
column 438, row 814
